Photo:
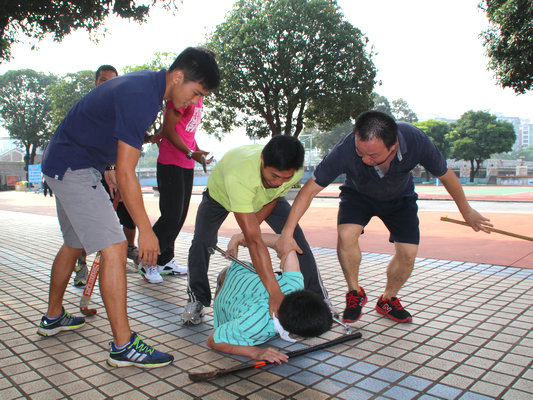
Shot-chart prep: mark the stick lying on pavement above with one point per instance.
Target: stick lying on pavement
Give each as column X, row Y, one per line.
column 456, row 221
column 204, row 376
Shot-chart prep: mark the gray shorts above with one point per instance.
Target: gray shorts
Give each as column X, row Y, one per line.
column 85, row 214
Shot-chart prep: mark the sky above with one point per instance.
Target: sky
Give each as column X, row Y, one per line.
column 427, row 52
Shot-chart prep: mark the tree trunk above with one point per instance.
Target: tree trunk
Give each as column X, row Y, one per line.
column 472, row 171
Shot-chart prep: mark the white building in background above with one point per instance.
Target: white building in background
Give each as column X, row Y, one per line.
column 523, row 130
column 526, row 134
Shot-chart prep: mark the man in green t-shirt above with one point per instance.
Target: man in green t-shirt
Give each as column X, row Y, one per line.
column 249, row 181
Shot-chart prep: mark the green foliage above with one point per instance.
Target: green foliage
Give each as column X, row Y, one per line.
column 284, row 62
column 25, row 109
column 437, row 131
column 35, row 19
column 402, row 112
column 325, row 141
column 381, row 104
column 477, row 135
column 509, row 42
column 67, row 92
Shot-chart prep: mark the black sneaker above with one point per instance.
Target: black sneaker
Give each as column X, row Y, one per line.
column 393, row 309
column 354, row 305
column 138, row 354
column 65, row 322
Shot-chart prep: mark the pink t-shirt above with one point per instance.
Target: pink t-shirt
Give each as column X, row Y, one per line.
column 186, row 129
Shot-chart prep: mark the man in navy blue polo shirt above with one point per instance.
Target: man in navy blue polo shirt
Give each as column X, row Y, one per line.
column 377, row 158
column 107, row 127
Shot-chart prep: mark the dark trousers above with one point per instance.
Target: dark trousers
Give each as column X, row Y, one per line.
column 175, row 188
column 209, row 218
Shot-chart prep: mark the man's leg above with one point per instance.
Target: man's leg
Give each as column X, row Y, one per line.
column 400, row 268
column 398, row 271
column 61, row 271
column 349, row 254
column 312, row 280
column 209, row 217
column 113, row 289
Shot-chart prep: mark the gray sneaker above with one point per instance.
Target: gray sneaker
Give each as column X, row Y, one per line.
column 194, row 311
column 80, row 279
column 133, row 254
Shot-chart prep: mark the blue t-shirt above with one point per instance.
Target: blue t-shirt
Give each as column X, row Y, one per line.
column 121, row 108
column 241, row 306
column 414, row 148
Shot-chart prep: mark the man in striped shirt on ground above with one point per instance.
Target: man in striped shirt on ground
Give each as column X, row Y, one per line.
column 241, row 309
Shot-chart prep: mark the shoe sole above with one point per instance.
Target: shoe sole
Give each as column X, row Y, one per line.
column 385, row 313
column 351, row 321
column 172, row 273
column 51, row 332
column 120, row 364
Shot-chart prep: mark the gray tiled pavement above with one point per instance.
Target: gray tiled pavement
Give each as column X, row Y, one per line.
column 471, row 337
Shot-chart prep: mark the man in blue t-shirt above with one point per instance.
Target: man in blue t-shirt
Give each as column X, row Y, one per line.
column 377, row 158
column 107, row 127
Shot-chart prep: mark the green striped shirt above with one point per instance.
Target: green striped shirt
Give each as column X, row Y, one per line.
column 241, row 306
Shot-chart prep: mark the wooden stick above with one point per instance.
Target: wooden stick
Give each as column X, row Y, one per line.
column 455, row 221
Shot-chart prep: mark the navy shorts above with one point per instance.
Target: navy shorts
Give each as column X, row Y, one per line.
column 400, row 215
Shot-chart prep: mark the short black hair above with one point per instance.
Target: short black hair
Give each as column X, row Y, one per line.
column 304, row 313
column 105, row 67
column 283, row 152
column 376, row 125
column 199, row 65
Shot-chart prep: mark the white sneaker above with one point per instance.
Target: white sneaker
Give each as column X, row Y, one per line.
column 171, row 268
column 193, row 313
column 151, row 275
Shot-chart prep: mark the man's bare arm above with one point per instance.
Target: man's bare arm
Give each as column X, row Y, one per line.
column 260, row 257
column 256, row 353
column 130, row 189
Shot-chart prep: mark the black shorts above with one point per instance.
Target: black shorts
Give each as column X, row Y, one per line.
column 400, row 215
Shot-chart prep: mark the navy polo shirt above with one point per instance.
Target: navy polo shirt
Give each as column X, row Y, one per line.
column 121, row 108
column 414, row 148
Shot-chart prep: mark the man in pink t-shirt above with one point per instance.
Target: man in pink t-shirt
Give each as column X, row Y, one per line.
column 178, row 153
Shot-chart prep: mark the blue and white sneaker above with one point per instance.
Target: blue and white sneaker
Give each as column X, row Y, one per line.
column 139, row 354
column 65, row 322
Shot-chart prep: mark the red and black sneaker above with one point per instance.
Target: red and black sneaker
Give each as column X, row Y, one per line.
column 393, row 309
column 354, row 305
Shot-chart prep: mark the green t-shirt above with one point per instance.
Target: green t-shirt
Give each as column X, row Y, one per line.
column 235, row 182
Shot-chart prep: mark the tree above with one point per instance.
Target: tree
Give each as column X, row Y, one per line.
column 509, row 42
column 477, row 135
column 67, row 92
column 286, row 62
column 402, row 112
column 25, row 109
column 325, row 141
column 35, row 19
column 381, row 104
column 437, row 131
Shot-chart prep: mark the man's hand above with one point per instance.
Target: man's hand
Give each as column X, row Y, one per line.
column 197, row 156
column 111, row 180
column 269, row 354
column 148, row 248
column 284, row 245
column 477, row 221
column 233, row 245
column 274, row 301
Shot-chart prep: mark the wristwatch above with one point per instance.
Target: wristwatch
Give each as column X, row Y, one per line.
column 110, row 168
column 189, row 154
